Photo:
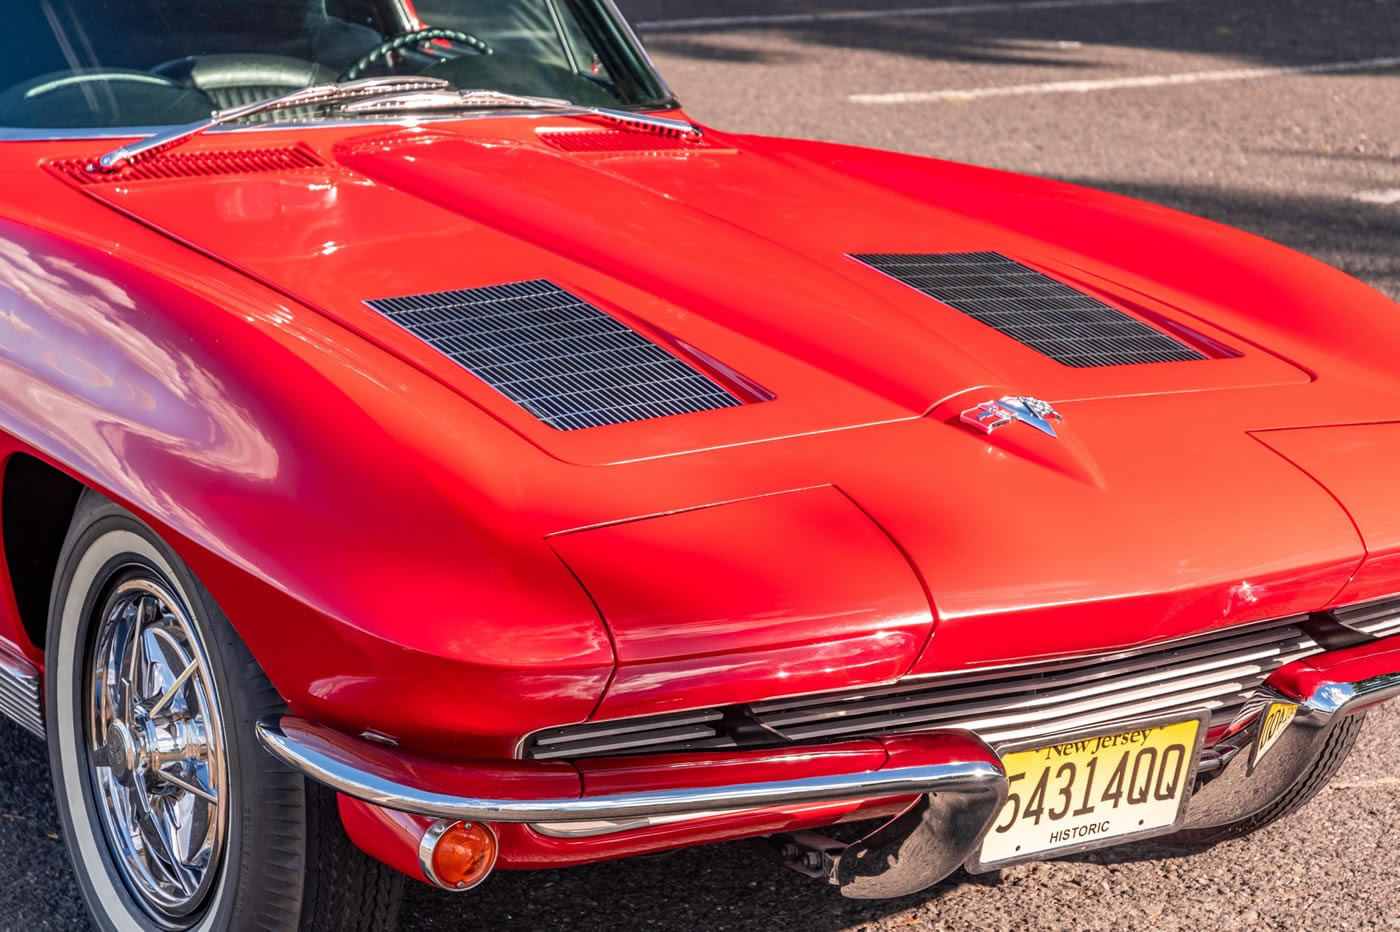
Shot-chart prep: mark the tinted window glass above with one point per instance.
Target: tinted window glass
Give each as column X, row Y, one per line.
column 105, row 63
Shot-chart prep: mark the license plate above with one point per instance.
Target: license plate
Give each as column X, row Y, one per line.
column 1087, row 791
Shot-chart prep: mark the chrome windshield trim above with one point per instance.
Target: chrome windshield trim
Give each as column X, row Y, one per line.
column 321, row 762
column 636, row 40
column 335, row 94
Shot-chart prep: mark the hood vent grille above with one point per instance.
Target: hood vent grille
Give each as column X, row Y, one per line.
column 609, row 140
column 565, row 361
column 194, row 165
column 1034, row 309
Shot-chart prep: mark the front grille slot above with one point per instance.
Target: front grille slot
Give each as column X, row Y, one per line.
column 1219, row 671
column 681, row 731
column 1378, row 619
column 565, row 361
column 1034, row 309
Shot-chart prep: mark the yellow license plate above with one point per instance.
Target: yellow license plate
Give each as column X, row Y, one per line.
column 1087, row 792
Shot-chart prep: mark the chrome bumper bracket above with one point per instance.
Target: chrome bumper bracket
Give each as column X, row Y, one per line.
column 1232, row 789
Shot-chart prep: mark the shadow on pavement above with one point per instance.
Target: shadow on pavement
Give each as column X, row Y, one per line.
column 36, row 884
column 718, row 887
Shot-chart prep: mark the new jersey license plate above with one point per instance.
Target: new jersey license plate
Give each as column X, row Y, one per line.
column 1093, row 790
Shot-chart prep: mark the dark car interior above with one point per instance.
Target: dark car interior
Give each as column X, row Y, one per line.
column 146, row 63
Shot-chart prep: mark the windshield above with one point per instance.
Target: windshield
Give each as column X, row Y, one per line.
column 79, row 64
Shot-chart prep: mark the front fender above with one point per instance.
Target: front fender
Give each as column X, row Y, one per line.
column 334, row 500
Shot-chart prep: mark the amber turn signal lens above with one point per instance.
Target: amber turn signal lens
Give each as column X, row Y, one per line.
column 458, row 855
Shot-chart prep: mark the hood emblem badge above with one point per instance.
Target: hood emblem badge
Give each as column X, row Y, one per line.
column 991, row 415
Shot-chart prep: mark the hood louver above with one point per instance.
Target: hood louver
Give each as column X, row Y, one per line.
column 1034, row 309
column 194, row 165
column 565, row 361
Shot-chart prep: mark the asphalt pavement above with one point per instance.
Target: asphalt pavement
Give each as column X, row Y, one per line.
column 1278, row 116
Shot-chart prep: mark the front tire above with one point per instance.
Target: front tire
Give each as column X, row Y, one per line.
column 175, row 818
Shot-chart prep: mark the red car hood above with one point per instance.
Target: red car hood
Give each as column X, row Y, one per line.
column 1156, row 512
column 734, row 252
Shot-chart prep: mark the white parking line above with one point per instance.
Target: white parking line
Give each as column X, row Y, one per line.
column 1115, row 84
column 1384, row 198
column 833, row 16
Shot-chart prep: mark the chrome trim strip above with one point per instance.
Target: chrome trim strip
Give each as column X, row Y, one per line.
column 1003, row 716
column 315, row 95
column 21, row 693
column 1079, row 684
column 1377, row 618
column 1276, row 626
column 630, row 726
column 626, row 26
column 598, row 828
column 342, row 774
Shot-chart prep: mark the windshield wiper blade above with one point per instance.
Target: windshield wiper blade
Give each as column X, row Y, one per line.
column 316, row 95
column 482, row 99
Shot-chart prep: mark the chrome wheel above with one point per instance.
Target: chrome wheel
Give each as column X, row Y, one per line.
column 155, row 746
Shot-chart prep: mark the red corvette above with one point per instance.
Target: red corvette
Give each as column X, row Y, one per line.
column 427, row 452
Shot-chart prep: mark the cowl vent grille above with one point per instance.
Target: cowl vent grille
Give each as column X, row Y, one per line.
column 609, row 140
column 1034, row 309
column 565, row 361
column 194, row 165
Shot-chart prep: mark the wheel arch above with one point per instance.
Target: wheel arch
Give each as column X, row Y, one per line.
column 37, row 502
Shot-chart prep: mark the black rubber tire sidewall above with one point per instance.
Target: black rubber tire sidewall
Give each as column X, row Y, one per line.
column 263, row 856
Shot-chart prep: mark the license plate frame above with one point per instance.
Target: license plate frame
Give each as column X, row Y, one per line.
column 1201, row 716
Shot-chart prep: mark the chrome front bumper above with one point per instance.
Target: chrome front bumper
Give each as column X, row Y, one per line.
column 306, row 748
column 958, row 779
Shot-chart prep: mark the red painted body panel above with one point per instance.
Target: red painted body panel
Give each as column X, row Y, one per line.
column 386, row 532
column 1359, row 664
column 1356, row 463
column 391, row 836
column 802, row 585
